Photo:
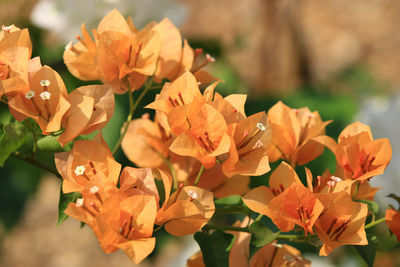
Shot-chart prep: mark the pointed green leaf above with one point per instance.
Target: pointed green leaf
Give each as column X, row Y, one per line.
column 261, row 235
column 231, row 204
column 63, row 202
column 368, row 252
column 12, row 138
column 215, row 247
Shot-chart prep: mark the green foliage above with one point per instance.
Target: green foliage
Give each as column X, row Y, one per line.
column 215, row 247
column 12, row 137
column 231, row 204
column 63, row 202
column 261, row 235
column 372, row 205
column 368, row 252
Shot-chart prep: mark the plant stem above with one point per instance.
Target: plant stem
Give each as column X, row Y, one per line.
column 34, row 136
column 199, row 175
column 372, row 224
column 38, row 164
column 132, row 107
column 226, row 227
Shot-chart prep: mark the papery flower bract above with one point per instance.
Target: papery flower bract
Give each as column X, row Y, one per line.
column 127, row 224
column 358, row 156
column 47, row 104
column 118, row 52
column 94, row 155
column 287, row 203
column 393, row 221
column 186, row 211
column 91, row 108
column 293, row 131
column 15, row 52
column 248, row 150
column 341, row 222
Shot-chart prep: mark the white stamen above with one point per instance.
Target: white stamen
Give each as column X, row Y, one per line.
column 336, row 179
column 94, row 189
column 288, row 258
column 261, row 126
column 79, row 202
column 6, row 28
column 30, row 94
column 68, row 46
column 331, row 183
column 45, row 95
column 80, row 170
column 258, row 144
column 192, row 194
column 45, row 82
column 277, row 245
column 210, row 58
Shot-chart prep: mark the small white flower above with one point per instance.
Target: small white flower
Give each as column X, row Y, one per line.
column 94, row 189
column 261, row 126
column 258, row 144
column 336, row 179
column 68, row 46
column 79, row 202
column 80, row 170
column 6, row 28
column 30, row 94
column 45, row 95
column 192, row 194
column 45, row 82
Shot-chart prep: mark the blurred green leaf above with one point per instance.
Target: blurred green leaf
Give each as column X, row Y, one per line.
column 63, row 202
column 12, row 138
column 49, row 144
column 215, row 247
column 261, row 235
column 372, row 205
column 368, row 252
column 231, row 204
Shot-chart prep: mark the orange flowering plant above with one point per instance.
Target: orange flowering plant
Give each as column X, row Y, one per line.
column 194, row 160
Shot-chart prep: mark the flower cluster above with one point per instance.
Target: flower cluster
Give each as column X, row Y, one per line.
column 199, row 148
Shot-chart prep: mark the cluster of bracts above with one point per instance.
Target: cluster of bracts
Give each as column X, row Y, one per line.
column 200, row 145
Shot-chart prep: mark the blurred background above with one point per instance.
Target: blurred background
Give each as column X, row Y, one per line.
column 335, row 56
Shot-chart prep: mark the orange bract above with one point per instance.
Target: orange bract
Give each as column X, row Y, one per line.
column 45, row 101
column 393, row 222
column 341, row 222
column 86, row 159
column 293, row 131
column 358, row 156
column 91, row 108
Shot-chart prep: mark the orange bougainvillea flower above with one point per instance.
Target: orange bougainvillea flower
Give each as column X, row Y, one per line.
column 146, row 142
column 84, row 161
column 393, row 222
column 45, row 102
column 91, row 108
column 248, row 150
column 358, row 156
column 15, row 52
column 293, row 131
column 119, row 51
column 341, row 222
column 187, row 210
column 206, row 139
column 287, row 203
column 127, row 224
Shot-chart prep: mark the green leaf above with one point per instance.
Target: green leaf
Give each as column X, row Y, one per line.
column 49, row 144
column 368, row 252
column 372, row 205
column 12, row 138
column 261, row 235
column 231, row 204
column 215, row 247
column 63, row 202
